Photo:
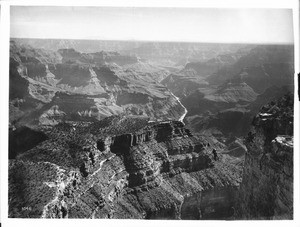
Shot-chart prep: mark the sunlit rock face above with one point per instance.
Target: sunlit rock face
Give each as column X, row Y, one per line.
column 122, row 167
column 266, row 191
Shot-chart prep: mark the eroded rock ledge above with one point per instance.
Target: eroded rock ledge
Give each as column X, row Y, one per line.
column 122, row 167
column 266, row 191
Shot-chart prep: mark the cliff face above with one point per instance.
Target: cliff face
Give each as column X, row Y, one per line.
column 122, row 167
column 266, row 191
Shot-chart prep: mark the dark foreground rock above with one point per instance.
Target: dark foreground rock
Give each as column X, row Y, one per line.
column 266, row 191
column 23, row 139
column 122, row 167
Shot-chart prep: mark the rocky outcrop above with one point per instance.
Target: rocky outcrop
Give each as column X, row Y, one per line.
column 123, row 168
column 266, row 191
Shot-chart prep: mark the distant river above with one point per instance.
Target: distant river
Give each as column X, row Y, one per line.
column 185, row 110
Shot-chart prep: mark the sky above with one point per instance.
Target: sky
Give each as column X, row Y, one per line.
column 214, row 25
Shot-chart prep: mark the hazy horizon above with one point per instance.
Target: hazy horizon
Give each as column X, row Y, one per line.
column 154, row 41
column 185, row 25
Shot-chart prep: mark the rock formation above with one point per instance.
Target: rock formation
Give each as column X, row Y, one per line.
column 122, row 167
column 266, row 191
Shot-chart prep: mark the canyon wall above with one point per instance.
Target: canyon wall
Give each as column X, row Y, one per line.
column 122, row 167
column 266, row 191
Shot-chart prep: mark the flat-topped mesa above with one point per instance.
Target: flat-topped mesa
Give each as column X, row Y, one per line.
column 121, row 143
column 125, row 136
column 155, row 148
column 143, row 132
column 169, row 130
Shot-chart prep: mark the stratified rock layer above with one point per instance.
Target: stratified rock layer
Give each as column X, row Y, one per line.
column 122, row 167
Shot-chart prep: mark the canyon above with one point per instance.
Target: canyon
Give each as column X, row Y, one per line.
column 109, row 129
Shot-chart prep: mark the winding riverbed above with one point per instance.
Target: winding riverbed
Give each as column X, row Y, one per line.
column 185, row 110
